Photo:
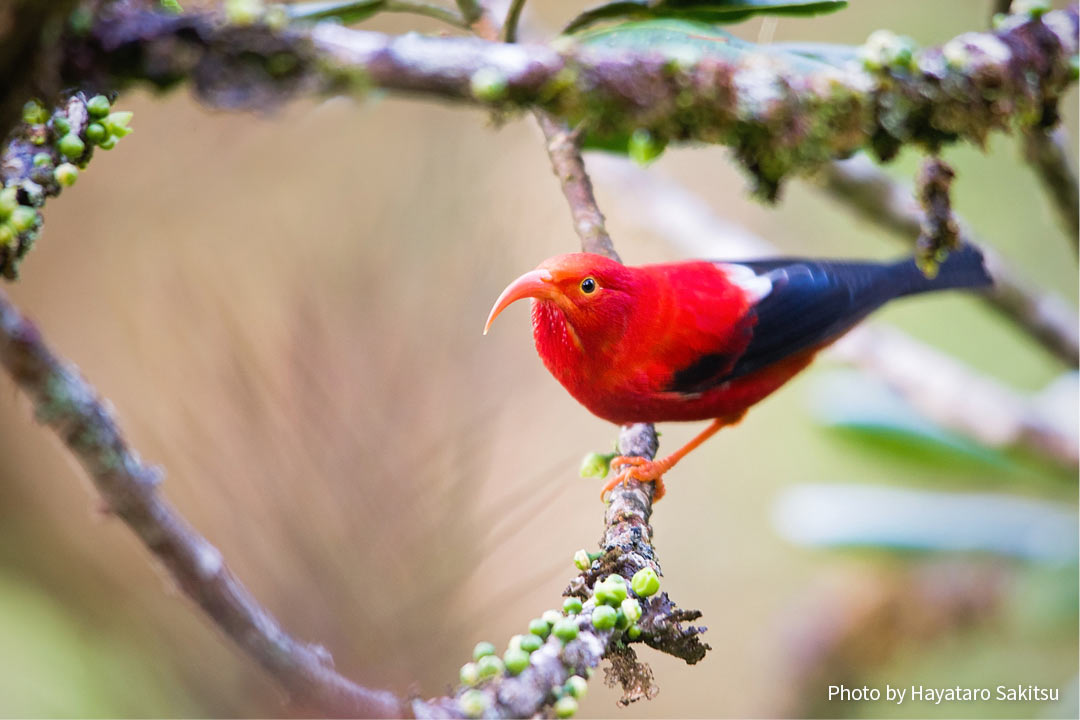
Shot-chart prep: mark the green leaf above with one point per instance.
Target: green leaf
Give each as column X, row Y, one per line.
column 687, row 41
column 346, row 11
column 713, row 11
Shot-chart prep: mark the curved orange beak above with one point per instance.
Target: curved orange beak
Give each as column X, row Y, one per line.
column 533, row 284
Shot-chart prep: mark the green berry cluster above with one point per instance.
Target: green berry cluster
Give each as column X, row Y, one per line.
column 44, row 157
column 486, row 665
column 615, row 609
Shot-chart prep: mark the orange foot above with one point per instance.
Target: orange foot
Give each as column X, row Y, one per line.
column 640, row 469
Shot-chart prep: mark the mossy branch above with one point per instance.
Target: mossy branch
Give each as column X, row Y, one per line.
column 778, row 118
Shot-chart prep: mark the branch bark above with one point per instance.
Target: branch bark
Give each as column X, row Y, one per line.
column 65, row 402
column 875, row 196
column 779, row 117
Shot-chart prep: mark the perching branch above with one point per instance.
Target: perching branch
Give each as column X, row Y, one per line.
column 626, row 543
column 875, row 196
column 64, row 401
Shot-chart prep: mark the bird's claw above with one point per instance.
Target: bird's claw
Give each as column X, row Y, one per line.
column 637, row 468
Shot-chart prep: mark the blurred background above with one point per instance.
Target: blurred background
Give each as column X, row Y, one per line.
column 286, row 312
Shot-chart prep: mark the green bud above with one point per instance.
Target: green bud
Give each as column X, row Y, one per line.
column 621, row 621
column 117, row 123
column 60, row 124
column 602, row 593
column 565, row 707
column 171, row 6
column 34, row 113
column 595, row 465
column 643, row 148
column 23, row 219
column 581, row 560
column 7, row 235
column 616, row 588
column 482, row 649
column 243, row 12
column 565, row 629
column 539, row 627
column 42, row 159
column 66, row 174
column 645, row 582
column 98, row 106
column 551, row 616
column 489, row 666
column 571, row 606
column 515, row 642
column 576, row 686
column 71, row 146
column 96, row 132
column 1031, row 8
column 469, row 674
column 632, row 609
column 8, row 202
column 473, row 703
column 488, row 85
column 108, row 143
column 515, row 661
column 603, row 617
column 531, row 643
column 634, row 632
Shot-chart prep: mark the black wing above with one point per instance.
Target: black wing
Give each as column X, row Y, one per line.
column 813, row 301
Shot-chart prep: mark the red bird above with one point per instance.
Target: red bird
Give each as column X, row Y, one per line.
column 701, row 340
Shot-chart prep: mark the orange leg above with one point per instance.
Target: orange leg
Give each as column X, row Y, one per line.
column 642, row 470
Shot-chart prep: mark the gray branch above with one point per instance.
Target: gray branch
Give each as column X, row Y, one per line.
column 65, row 402
column 778, row 116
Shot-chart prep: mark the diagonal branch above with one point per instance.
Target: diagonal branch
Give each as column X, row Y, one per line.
column 569, row 167
column 64, row 401
column 871, row 193
column 1047, row 152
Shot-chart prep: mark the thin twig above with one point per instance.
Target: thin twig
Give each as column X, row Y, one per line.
column 868, row 190
column 510, row 25
column 64, row 401
column 569, row 167
column 1047, row 152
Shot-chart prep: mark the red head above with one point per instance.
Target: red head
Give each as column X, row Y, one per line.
column 591, row 294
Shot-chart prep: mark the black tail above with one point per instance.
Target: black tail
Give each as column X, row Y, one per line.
column 814, row 301
column 963, row 268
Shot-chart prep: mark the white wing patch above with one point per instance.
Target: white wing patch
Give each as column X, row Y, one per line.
column 756, row 287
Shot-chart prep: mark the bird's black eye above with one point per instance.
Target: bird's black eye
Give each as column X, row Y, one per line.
column 588, row 285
